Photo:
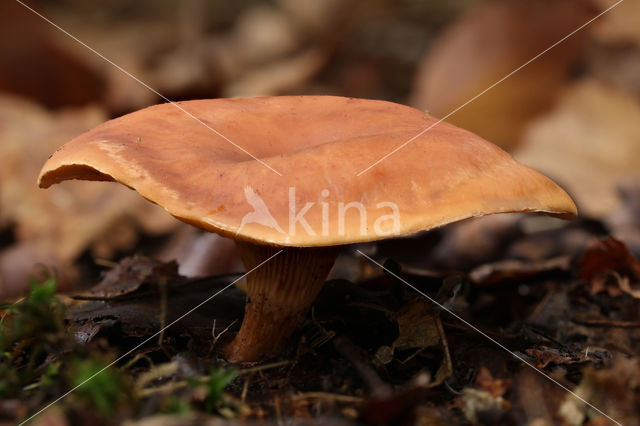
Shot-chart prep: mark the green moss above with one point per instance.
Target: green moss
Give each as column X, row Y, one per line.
column 29, row 330
column 100, row 386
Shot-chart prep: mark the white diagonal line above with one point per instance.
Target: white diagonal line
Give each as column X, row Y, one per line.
column 459, row 318
column 146, row 340
column 76, row 39
column 488, row 88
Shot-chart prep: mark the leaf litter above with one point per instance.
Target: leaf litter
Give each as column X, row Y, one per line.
column 564, row 297
column 372, row 351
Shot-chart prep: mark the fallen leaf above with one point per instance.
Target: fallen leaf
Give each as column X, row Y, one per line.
column 617, row 66
column 476, row 241
column 620, row 24
column 487, row 43
column 615, row 390
column 399, row 408
column 133, row 44
column 535, row 398
column 608, row 265
column 315, row 16
column 419, row 327
column 486, row 382
column 63, row 222
column 588, row 142
column 544, row 356
column 34, row 66
column 140, row 296
column 278, row 77
column 625, row 222
column 516, row 270
column 129, row 275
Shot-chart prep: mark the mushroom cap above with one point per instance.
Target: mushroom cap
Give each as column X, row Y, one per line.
column 318, row 144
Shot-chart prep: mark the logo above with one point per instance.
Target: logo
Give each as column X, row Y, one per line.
column 260, row 214
column 333, row 215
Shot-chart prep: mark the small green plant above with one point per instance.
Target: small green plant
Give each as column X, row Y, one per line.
column 38, row 354
column 39, row 312
column 101, row 387
column 49, row 378
column 176, row 405
column 30, row 329
column 214, row 384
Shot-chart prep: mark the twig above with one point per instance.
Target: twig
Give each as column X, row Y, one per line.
column 136, row 359
column 327, row 396
column 105, row 262
column 321, row 335
column 264, row 367
column 362, row 364
column 165, row 388
column 163, row 285
column 245, row 389
column 6, row 311
column 217, row 337
column 163, row 370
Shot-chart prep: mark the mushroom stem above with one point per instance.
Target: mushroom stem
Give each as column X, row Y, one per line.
column 279, row 294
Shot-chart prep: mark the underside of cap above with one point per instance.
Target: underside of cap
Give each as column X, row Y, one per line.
column 284, row 171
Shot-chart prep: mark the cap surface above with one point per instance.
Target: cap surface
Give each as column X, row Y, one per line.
column 318, row 144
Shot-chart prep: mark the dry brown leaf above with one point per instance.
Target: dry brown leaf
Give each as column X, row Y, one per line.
column 486, row 44
column 33, row 65
column 619, row 25
column 140, row 295
column 614, row 390
column 261, row 34
column 313, row 15
column 22, row 262
column 131, row 44
column 545, row 356
column 278, row 77
column 617, row 66
column 608, row 265
column 535, row 398
column 486, row 382
column 624, row 223
column 588, row 143
column 66, row 220
column 476, row 241
column 608, row 255
column 61, row 223
column 419, row 327
column 511, row 269
column 129, row 275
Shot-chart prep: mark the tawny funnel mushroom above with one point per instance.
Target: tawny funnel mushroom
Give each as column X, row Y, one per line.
column 315, row 202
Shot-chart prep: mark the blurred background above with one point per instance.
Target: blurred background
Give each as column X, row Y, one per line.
column 573, row 113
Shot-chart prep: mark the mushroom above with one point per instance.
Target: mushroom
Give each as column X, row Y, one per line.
column 283, row 182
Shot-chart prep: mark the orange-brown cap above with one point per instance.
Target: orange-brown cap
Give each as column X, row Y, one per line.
column 310, row 194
